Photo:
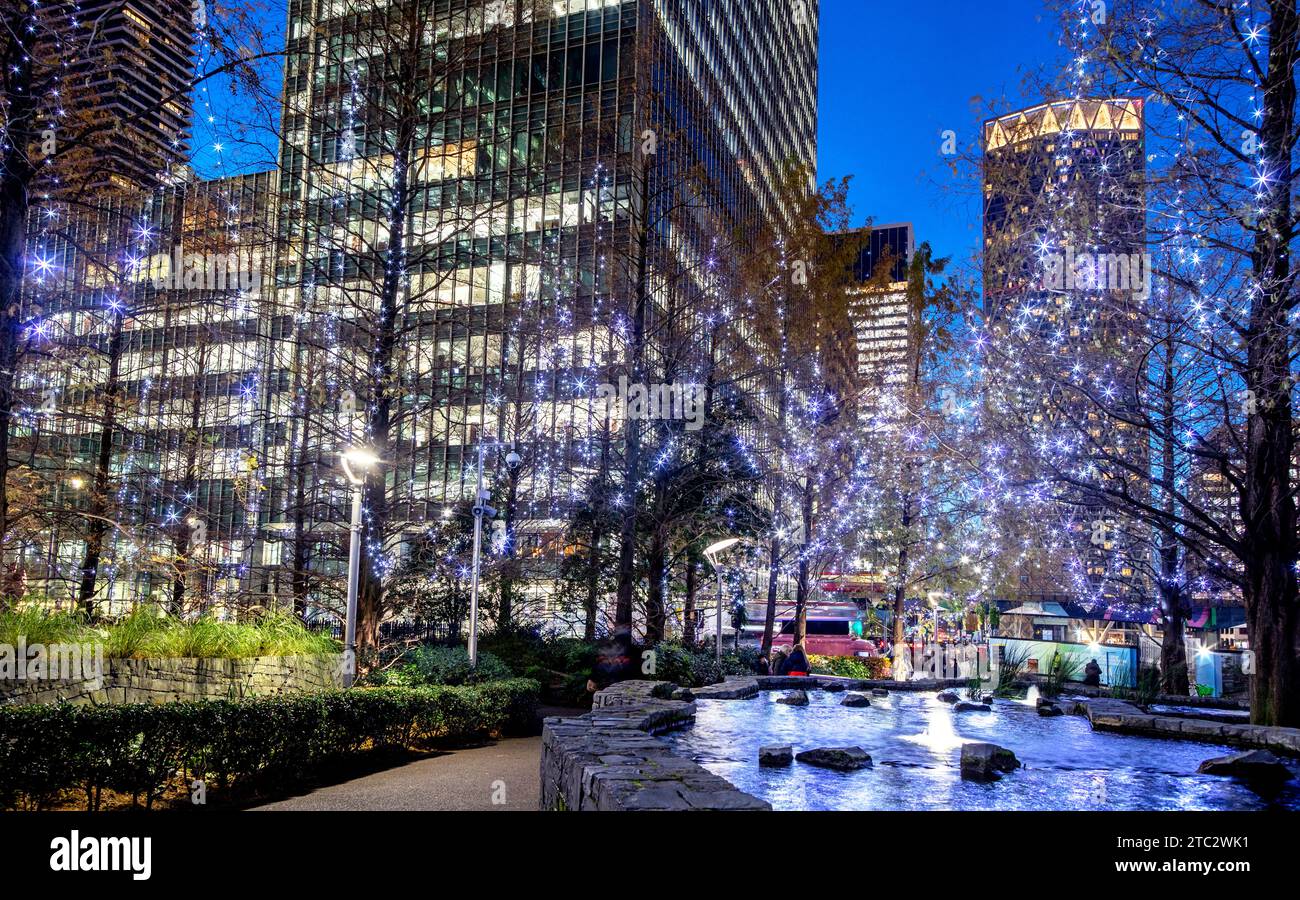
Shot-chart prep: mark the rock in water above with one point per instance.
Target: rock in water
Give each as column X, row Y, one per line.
column 1253, row 765
column 947, row 697
column 967, row 706
column 841, row 759
column 853, row 699
column 986, row 762
column 775, row 756
column 1050, row 709
column 879, row 692
column 794, row 698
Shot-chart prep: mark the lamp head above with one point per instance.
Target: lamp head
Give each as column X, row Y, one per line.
column 724, row 544
column 356, row 462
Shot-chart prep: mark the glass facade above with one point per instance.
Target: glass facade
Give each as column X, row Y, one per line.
column 450, row 251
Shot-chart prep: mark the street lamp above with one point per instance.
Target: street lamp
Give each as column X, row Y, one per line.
column 480, row 510
column 357, row 461
column 710, row 553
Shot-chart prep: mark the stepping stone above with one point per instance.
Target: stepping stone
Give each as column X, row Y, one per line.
column 967, row 706
column 775, row 756
column 986, row 762
column 1252, row 765
column 854, row 699
column 947, row 697
column 841, row 759
column 794, row 698
column 1050, row 709
column 879, row 692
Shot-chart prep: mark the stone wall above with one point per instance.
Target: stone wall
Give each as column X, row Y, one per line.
column 610, row 759
column 1127, row 718
column 166, row 680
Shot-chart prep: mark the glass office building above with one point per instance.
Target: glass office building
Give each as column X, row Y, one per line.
column 470, row 196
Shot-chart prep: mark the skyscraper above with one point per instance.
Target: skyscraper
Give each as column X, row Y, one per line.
column 129, row 64
column 1064, row 192
column 1084, row 154
column 466, row 194
column 878, row 309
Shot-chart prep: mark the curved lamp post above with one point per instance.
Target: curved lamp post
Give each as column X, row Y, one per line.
column 357, row 463
column 711, row 553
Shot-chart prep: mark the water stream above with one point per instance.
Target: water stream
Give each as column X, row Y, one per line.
column 915, row 741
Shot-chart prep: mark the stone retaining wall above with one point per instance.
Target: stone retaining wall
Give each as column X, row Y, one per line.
column 166, row 680
column 610, row 759
column 1127, row 718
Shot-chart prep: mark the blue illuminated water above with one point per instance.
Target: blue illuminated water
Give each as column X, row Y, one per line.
column 915, row 742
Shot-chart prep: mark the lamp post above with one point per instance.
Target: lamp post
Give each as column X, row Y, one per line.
column 710, row 553
column 356, row 462
column 480, row 510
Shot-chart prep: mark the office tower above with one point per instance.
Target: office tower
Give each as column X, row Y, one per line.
column 128, row 67
column 513, row 156
column 1084, row 155
column 878, row 310
column 524, row 163
column 1064, row 215
column 148, row 429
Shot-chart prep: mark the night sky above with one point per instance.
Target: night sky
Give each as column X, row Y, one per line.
column 894, row 74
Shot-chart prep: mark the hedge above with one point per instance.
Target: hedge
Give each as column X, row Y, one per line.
column 870, row 668
column 259, row 744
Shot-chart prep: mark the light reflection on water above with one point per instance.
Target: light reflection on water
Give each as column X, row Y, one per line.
column 915, row 742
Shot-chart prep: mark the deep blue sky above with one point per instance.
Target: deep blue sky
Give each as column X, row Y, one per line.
column 894, row 74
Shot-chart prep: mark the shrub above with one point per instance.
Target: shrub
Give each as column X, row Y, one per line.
column 144, row 634
column 1014, row 659
column 434, row 664
column 147, row 634
column 870, row 668
column 1144, row 692
column 1064, row 667
column 39, row 626
column 145, row 751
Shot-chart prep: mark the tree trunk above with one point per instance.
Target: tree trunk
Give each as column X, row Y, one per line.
column 774, row 557
column 1268, row 505
column 900, row 589
column 505, row 610
column 688, row 612
column 1173, row 647
column 802, row 589
column 99, row 505
column 632, row 441
column 592, row 604
column 656, row 608
column 16, row 173
column 383, row 383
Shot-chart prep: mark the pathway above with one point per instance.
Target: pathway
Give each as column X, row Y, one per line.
column 503, row 775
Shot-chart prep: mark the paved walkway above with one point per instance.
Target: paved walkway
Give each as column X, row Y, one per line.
column 503, row 775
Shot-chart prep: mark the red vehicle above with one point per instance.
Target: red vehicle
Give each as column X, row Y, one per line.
column 826, row 637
